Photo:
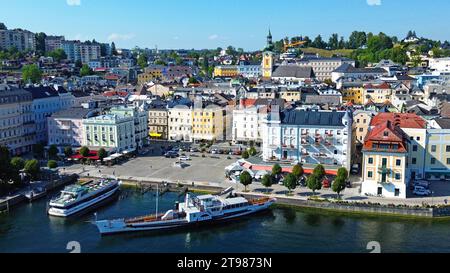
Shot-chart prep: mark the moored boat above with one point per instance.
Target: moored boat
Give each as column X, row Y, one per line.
column 77, row 198
column 194, row 210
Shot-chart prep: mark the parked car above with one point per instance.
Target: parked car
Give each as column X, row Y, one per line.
column 421, row 191
column 194, row 150
column 355, row 169
column 185, row 158
column 171, row 154
column 422, row 183
column 214, row 151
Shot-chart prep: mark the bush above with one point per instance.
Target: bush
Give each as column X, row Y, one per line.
column 52, row 164
column 84, row 151
column 32, row 168
column 245, row 155
column 252, row 151
column 17, row 163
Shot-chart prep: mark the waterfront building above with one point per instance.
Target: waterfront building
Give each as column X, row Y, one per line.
column 437, row 159
column 140, row 117
column 17, row 126
column 46, row 101
column 65, row 128
column 114, row 133
column 394, row 154
column 158, row 122
column 180, row 123
column 309, row 137
column 22, row 40
column 209, row 123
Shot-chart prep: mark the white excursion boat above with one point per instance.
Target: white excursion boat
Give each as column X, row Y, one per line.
column 77, row 198
column 195, row 210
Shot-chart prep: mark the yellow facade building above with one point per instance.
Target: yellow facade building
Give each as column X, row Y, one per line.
column 354, row 95
column 226, row 71
column 267, row 65
column 208, row 123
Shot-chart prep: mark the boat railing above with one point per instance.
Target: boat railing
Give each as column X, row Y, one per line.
column 259, row 201
column 149, row 218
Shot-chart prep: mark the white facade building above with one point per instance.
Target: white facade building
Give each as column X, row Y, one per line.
column 180, row 123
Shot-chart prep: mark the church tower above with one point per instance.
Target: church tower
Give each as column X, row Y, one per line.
column 267, row 63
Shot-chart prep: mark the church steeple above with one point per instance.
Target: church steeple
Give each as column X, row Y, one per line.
column 269, row 41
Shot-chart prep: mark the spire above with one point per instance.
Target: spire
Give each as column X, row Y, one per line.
column 270, row 33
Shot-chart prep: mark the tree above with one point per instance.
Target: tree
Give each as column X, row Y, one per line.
column 31, row 73
column 85, row 70
column 142, row 60
column 193, row 80
column 32, row 168
column 113, row 49
column 68, row 151
column 245, row 154
column 333, row 43
column 53, row 151
column 338, row 185
column 319, row 172
column 290, row 182
column 319, row 43
column 78, row 64
column 3, row 26
column 267, row 181
column 245, row 179
column 342, row 172
column 276, row 169
column 58, row 54
column 84, row 151
column 102, row 154
column 17, row 163
column 252, row 151
column 40, row 42
column 7, row 172
column 52, row 164
column 38, row 150
column 314, row 183
column 298, row 171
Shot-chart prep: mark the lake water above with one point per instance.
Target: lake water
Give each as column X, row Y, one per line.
column 29, row 229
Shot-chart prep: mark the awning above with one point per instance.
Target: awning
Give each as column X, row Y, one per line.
column 153, row 134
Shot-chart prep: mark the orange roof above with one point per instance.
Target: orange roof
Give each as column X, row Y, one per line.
column 391, row 138
column 403, row 120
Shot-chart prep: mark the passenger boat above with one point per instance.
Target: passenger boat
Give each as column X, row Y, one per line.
column 36, row 194
column 194, row 210
column 75, row 199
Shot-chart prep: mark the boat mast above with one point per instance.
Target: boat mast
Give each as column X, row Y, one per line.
column 157, row 197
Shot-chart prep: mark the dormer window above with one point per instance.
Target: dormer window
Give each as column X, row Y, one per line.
column 386, row 134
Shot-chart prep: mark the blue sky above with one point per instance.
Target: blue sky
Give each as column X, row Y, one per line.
column 212, row 23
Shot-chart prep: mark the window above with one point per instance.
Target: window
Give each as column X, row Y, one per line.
column 369, row 174
column 418, row 138
column 433, row 148
column 448, row 161
column 414, row 148
column 397, row 176
column 398, row 162
column 414, row 160
column 433, row 161
column 370, row 160
column 447, row 148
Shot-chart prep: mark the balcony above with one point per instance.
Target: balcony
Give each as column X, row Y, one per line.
column 384, row 170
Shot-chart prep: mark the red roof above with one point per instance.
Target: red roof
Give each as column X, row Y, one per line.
column 115, row 93
column 403, row 120
column 385, row 137
column 247, row 102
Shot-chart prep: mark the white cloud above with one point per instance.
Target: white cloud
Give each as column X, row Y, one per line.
column 374, row 2
column 120, row 37
column 73, row 2
column 176, row 38
column 213, row 37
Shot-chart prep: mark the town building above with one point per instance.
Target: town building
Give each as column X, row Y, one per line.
column 151, row 73
column 226, row 71
column 377, row 93
column 22, row 40
column 140, row 117
column 46, row 101
column 322, row 66
column 209, row 122
column 309, row 137
column 53, row 42
column 65, row 128
column 349, row 71
column 84, row 52
column 180, row 123
column 114, row 133
column 437, row 160
column 158, row 122
column 292, row 74
column 17, row 126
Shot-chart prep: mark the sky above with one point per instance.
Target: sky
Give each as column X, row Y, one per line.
column 173, row 24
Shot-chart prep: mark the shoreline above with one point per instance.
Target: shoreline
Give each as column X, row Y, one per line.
column 361, row 209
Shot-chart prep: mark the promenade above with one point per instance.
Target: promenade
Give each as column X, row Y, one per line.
column 209, row 172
